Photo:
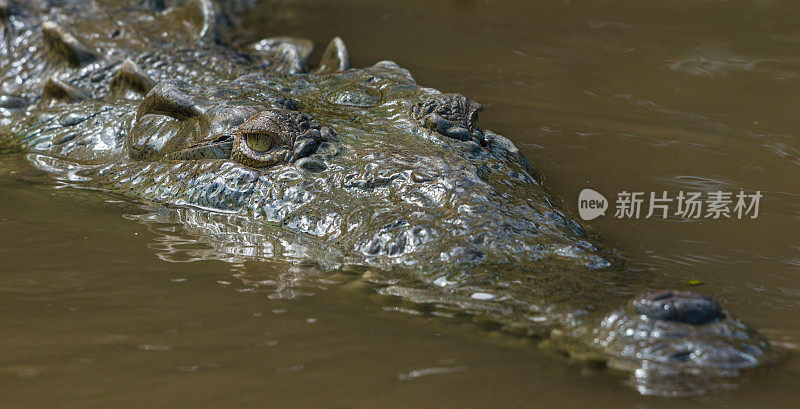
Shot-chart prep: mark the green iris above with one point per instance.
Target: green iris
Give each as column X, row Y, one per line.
column 259, row 142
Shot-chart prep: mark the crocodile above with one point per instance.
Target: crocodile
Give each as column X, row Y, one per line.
column 358, row 170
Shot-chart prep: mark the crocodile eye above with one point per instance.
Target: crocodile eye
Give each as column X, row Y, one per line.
column 276, row 137
column 259, row 142
column 259, row 149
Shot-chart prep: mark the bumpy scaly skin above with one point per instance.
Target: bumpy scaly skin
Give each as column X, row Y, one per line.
column 364, row 170
column 451, row 115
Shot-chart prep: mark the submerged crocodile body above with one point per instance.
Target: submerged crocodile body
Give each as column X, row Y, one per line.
column 358, row 169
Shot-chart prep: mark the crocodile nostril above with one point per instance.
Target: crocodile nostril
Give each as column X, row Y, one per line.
column 452, row 115
column 685, row 307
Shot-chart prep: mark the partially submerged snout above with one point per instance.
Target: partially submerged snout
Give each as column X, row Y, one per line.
column 674, row 336
column 680, row 328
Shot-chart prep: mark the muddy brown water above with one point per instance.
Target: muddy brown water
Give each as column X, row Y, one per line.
column 100, row 310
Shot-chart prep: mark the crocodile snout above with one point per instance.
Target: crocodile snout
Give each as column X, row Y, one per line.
column 684, row 307
column 680, row 331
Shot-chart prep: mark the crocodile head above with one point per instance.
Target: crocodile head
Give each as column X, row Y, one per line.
column 361, row 168
column 377, row 171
